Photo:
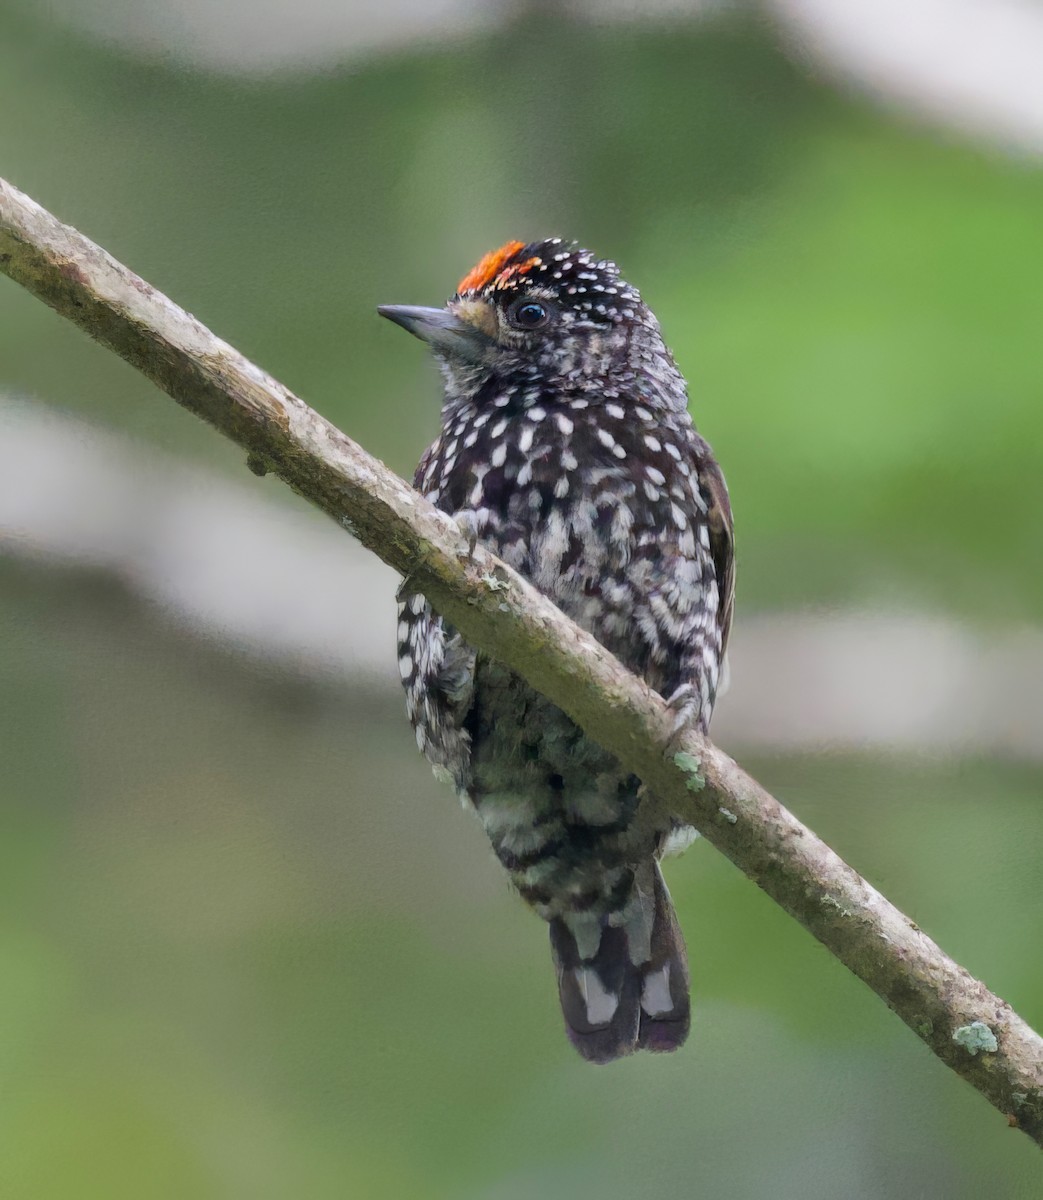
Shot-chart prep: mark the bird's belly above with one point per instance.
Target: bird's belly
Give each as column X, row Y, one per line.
column 555, row 805
column 605, row 589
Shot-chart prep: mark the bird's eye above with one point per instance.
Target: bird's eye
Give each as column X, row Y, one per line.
column 528, row 314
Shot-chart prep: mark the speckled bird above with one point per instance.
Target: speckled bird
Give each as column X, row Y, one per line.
column 567, row 449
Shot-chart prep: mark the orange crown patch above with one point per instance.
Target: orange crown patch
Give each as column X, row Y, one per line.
column 493, row 269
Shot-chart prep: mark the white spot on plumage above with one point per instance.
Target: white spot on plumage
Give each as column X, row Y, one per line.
column 525, row 439
column 478, row 491
column 499, row 455
column 615, row 410
column 498, row 428
column 564, row 424
column 655, row 475
column 655, row 992
column 600, row 1003
column 405, row 666
column 673, row 451
column 536, row 413
column 605, row 438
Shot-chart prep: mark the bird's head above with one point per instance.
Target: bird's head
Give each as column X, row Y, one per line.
column 542, row 311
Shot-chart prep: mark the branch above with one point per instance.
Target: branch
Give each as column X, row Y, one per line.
column 971, row 1030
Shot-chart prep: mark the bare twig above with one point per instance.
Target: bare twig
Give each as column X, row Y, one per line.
column 969, row 1028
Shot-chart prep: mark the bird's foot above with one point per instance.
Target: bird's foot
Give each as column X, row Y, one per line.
column 467, row 521
column 685, row 704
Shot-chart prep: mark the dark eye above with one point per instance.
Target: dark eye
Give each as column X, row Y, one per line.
column 528, row 314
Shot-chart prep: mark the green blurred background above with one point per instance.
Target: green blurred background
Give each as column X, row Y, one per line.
column 248, row 947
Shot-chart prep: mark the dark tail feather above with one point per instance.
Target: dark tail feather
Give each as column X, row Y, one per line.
column 666, row 1011
column 612, row 1004
column 600, row 996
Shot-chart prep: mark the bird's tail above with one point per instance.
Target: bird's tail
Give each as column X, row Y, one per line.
column 623, row 977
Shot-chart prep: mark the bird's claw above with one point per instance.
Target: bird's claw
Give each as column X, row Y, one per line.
column 684, row 706
column 467, row 522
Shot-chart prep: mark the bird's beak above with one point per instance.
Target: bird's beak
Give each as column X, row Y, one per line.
column 443, row 331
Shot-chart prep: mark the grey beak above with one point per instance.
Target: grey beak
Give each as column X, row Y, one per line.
column 443, row 332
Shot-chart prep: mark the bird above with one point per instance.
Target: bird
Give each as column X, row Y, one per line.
column 567, row 449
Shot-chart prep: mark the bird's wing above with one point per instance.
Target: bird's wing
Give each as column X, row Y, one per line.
column 437, row 669
column 722, row 541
